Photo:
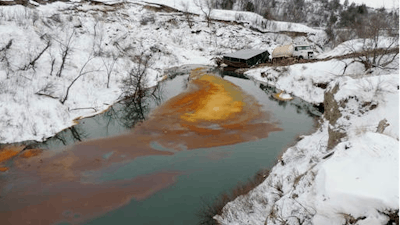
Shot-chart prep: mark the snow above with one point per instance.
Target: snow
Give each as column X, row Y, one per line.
column 364, row 175
column 356, row 45
column 124, row 31
column 357, row 179
column 308, row 183
column 301, row 80
column 285, row 96
column 245, row 54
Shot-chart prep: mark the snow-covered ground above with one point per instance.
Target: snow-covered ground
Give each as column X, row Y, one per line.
column 103, row 41
column 355, row 182
column 357, row 178
column 358, row 45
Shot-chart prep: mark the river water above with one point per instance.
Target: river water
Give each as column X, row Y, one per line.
column 169, row 183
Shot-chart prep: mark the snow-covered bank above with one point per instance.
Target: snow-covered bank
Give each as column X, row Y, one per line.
column 357, row 180
column 311, row 184
column 103, row 43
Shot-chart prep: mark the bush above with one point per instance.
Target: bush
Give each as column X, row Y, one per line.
column 146, row 19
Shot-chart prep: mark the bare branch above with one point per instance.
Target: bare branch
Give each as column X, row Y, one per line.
column 206, row 6
column 109, row 67
column 187, row 14
column 4, row 57
column 81, row 73
column 135, row 85
column 31, row 64
column 65, row 50
column 371, row 31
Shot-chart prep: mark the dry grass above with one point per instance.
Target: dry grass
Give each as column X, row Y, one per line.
column 212, row 208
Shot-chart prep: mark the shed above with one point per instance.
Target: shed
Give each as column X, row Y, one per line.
column 246, row 58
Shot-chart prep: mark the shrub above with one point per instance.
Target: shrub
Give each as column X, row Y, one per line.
column 146, row 19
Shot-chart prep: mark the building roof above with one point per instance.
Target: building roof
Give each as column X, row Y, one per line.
column 245, row 54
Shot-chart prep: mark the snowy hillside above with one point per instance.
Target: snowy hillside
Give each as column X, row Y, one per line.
column 66, row 60
column 357, row 181
column 99, row 42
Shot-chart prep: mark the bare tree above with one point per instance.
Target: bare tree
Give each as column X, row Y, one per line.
column 98, row 37
column 53, row 61
column 65, row 50
column 82, row 72
column 187, row 14
column 4, row 57
column 109, row 65
column 380, row 42
column 206, row 6
column 135, row 84
column 31, row 64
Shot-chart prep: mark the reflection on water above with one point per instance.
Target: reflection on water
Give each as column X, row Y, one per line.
column 231, row 71
column 134, row 111
column 148, row 176
column 300, row 105
column 119, row 118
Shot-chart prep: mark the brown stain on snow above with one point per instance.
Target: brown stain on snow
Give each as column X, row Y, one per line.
column 54, row 187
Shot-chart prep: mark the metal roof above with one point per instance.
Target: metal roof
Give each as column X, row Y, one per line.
column 245, row 54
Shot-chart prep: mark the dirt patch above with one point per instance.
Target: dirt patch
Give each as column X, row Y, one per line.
column 332, row 114
column 331, row 107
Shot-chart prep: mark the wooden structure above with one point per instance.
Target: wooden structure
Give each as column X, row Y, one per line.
column 246, row 58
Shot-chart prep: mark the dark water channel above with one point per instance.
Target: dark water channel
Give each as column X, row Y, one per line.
column 205, row 172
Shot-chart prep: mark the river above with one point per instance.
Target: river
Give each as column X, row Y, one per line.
column 160, row 163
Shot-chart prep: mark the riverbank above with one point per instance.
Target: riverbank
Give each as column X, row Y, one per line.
column 348, row 169
column 215, row 124
column 66, row 60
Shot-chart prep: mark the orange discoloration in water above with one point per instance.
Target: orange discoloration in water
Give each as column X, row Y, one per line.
column 212, row 112
column 74, row 203
column 3, row 169
column 31, row 153
column 218, row 101
column 9, row 152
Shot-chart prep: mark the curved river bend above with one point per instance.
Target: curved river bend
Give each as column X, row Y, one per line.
column 194, row 146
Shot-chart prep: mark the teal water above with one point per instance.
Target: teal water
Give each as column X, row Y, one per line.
column 206, row 172
column 119, row 118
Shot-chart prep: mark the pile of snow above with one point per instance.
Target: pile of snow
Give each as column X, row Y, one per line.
column 360, row 179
